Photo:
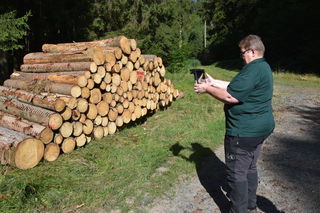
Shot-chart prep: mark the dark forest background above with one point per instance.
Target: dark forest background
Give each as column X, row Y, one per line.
column 177, row 30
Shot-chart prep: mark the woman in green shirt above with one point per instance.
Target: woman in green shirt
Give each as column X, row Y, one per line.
column 249, row 120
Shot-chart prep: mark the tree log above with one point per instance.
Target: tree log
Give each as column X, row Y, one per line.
column 119, row 41
column 51, row 152
column 77, row 128
column 55, row 67
column 95, row 96
column 98, row 132
column 26, row 111
column 43, row 101
column 68, row 145
column 66, row 129
column 58, row 139
column 63, row 77
column 43, row 57
column 103, row 108
column 36, row 130
column 55, row 121
column 92, row 111
column 39, row 86
column 112, row 128
column 87, row 127
column 19, row 150
column 81, row 140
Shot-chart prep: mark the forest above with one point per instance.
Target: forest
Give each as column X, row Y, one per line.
column 180, row 31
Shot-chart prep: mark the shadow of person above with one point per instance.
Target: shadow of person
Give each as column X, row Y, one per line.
column 211, row 172
column 266, row 205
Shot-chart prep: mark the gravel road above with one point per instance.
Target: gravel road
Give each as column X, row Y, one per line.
column 289, row 165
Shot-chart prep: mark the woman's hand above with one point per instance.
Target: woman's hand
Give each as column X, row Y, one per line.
column 201, row 87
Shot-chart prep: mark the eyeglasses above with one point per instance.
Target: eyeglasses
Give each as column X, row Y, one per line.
column 243, row 52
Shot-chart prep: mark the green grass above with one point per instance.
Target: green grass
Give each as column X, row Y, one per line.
column 129, row 169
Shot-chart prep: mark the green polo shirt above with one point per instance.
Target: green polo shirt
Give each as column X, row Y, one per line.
column 253, row 87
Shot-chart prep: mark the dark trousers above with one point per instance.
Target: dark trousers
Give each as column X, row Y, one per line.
column 241, row 161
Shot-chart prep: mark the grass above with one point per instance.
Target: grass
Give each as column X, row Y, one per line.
column 129, row 169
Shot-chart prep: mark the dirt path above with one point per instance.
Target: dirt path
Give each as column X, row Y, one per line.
column 289, row 165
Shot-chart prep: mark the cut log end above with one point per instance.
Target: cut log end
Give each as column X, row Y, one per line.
column 28, row 153
column 51, row 152
column 46, row 135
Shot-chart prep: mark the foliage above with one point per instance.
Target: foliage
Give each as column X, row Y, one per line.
column 174, row 29
column 12, row 29
column 162, row 27
column 289, row 41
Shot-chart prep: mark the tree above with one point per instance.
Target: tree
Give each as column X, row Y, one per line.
column 12, row 30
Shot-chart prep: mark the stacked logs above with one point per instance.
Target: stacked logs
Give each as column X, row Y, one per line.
column 71, row 93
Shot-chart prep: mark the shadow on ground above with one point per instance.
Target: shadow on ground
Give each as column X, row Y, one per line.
column 212, row 175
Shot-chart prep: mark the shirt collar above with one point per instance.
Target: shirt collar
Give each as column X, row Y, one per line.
column 258, row 60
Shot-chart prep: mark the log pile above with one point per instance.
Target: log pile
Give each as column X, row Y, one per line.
column 70, row 93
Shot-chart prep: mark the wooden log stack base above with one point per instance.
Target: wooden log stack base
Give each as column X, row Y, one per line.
column 71, row 93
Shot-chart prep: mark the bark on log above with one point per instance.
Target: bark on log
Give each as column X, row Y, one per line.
column 43, row 57
column 119, row 41
column 43, row 101
column 19, row 150
column 55, row 67
column 26, row 111
column 57, row 77
column 39, row 86
column 36, row 130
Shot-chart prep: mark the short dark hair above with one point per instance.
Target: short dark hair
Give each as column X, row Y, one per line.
column 252, row 42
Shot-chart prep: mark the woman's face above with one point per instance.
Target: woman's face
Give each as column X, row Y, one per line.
column 247, row 55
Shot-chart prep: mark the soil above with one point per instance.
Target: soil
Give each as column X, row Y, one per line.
column 289, row 165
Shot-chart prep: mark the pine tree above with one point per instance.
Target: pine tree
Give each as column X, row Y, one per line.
column 12, row 29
